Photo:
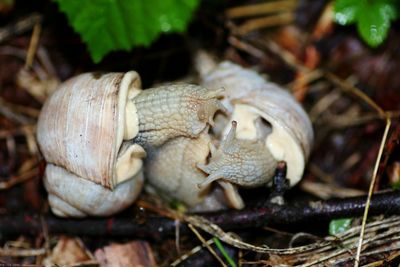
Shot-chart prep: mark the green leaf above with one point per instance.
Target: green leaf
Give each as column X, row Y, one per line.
column 372, row 17
column 374, row 23
column 109, row 25
column 339, row 226
column 345, row 11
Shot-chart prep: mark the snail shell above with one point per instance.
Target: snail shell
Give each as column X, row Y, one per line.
column 249, row 98
column 81, row 133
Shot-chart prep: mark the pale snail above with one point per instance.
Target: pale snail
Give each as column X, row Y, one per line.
column 97, row 131
column 262, row 124
column 87, row 131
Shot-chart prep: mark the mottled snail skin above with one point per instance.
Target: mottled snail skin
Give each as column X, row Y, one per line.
column 171, row 170
column 174, row 110
column 247, row 163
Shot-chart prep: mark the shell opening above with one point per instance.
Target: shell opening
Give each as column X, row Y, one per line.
column 129, row 160
column 278, row 140
column 128, row 120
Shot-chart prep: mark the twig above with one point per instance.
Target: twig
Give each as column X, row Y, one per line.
column 190, row 253
column 17, row 131
column 4, row 252
column 19, row 27
column 269, row 21
column 33, row 44
column 7, row 112
column 14, row 180
column 385, row 261
column 260, row 9
column 160, row 227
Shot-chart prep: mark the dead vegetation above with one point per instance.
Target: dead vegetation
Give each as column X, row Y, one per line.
column 349, row 90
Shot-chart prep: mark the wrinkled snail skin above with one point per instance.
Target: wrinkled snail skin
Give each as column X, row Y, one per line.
column 247, row 163
column 171, row 170
column 174, row 110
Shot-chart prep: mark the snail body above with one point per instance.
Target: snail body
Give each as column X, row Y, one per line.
column 243, row 162
column 174, row 110
column 172, row 171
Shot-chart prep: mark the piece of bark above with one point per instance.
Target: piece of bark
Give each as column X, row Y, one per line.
column 68, row 251
column 133, row 254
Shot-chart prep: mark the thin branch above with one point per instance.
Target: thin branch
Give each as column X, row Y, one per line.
column 14, row 252
column 19, row 27
column 161, row 227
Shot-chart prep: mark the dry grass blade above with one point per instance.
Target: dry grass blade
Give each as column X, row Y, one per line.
column 14, row 180
column 204, row 242
column 33, row 45
column 19, row 27
column 273, row 13
column 231, row 239
column 20, row 131
column 371, row 190
column 7, row 111
column 264, row 22
column 13, row 252
column 191, row 252
column 261, row 8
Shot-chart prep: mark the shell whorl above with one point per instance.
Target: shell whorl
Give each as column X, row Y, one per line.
column 81, row 130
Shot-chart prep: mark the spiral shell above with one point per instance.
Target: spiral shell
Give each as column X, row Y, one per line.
column 81, row 133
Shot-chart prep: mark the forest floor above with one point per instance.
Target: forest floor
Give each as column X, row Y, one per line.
column 349, row 90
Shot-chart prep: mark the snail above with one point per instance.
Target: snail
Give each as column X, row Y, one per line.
column 94, row 132
column 262, row 124
column 263, row 111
